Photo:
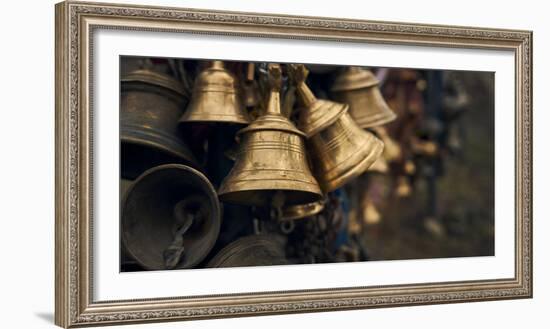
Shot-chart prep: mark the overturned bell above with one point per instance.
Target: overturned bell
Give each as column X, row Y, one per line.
column 339, row 149
column 271, row 166
column 150, row 106
column 358, row 88
column 252, row 250
column 215, row 97
column 170, row 218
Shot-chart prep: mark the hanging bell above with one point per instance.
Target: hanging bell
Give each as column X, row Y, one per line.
column 215, row 97
column 339, row 149
column 150, row 106
column 170, row 218
column 358, row 88
column 271, row 164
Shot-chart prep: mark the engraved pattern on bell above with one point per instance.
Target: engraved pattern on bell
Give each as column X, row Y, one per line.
column 271, row 159
column 339, row 149
column 170, row 218
column 216, row 97
column 358, row 87
column 151, row 103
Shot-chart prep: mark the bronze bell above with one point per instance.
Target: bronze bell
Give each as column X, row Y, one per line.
column 358, row 88
column 252, row 250
column 215, row 97
column 339, row 149
column 170, row 218
column 271, row 164
column 150, row 106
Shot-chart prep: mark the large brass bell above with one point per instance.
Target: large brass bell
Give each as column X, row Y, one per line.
column 252, row 250
column 170, row 218
column 271, row 166
column 151, row 104
column 358, row 88
column 339, row 149
column 215, row 97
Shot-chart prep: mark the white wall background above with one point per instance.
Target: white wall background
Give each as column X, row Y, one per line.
column 27, row 163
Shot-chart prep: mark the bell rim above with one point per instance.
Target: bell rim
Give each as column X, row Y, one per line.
column 208, row 185
column 213, row 119
column 158, row 141
column 226, row 195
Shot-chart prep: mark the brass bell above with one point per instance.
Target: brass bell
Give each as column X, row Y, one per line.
column 271, row 164
column 339, row 149
column 251, row 92
column 358, row 88
column 170, row 218
column 252, row 250
column 150, row 105
column 215, row 97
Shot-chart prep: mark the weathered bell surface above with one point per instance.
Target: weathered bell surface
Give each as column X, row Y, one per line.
column 150, row 105
column 252, row 250
column 215, row 97
column 170, row 218
column 339, row 149
column 302, row 210
column 271, row 164
column 358, row 87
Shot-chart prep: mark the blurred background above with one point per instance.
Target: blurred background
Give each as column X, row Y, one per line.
column 428, row 194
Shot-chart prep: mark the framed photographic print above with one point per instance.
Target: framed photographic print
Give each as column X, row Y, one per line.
column 217, row 164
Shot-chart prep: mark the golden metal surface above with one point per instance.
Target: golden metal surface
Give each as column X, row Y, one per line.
column 216, row 97
column 358, row 87
column 150, row 105
column 339, row 149
column 75, row 305
column 271, row 159
column 157, row 205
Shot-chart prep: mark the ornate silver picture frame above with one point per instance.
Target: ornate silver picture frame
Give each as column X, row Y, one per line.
column 76, row 24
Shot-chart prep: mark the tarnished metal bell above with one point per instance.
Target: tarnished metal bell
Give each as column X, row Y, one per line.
column 150, row 105
column 358, row 87
column 215, row 97
column 339, row 149
column 252, row 250
column 271, row 164
column 170, row 218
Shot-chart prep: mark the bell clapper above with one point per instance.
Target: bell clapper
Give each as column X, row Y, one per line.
column 183, row 222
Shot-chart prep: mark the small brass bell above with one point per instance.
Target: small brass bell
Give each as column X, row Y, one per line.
column 170, row 218
column 271, row 164
column 358, row 88
column 150, row 106
column 215, row 97
column 251, row 92
column 339, row 149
